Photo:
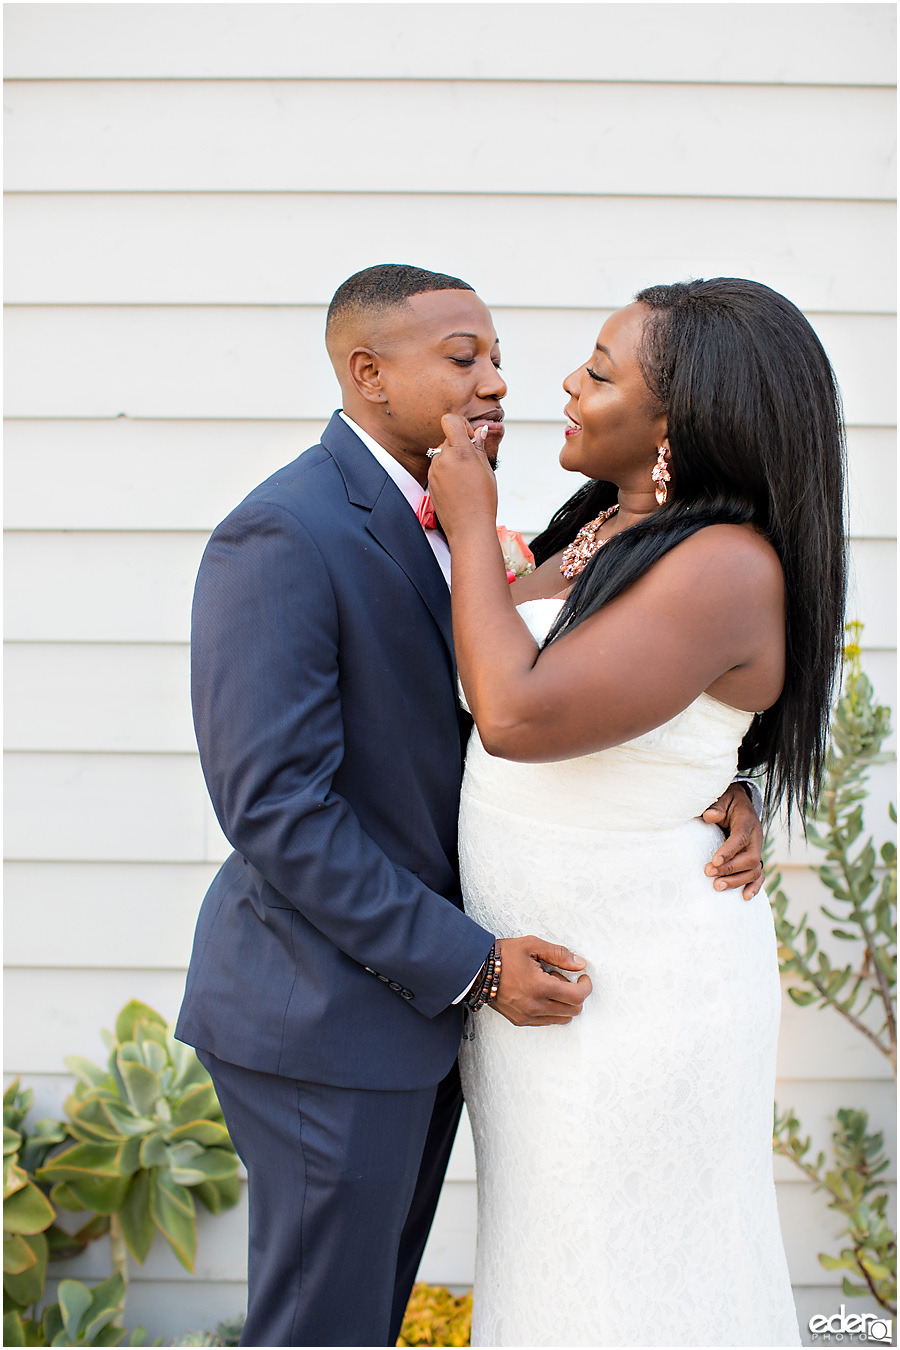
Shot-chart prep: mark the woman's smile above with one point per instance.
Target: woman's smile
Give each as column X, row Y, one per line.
column 572, row 427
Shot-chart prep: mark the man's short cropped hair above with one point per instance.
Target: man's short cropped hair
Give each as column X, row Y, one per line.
column 385, row 286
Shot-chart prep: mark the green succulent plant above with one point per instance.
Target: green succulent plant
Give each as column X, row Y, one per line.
column 150, row 1138
column 82, row 1316
column 28, row 1216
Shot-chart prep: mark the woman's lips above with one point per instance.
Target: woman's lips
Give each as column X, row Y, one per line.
column 572, row 427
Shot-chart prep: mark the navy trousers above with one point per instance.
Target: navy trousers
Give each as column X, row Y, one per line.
column 343, row 1186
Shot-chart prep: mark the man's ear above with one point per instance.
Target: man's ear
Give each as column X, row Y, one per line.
column 364, row 369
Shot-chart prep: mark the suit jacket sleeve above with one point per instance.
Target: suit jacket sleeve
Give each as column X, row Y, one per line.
column 267, row 711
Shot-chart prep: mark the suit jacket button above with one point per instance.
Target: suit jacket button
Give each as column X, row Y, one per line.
column 406, row 993
column 382, row 978
column 395, row 986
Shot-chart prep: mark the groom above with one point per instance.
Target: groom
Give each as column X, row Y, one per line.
column 332, row 953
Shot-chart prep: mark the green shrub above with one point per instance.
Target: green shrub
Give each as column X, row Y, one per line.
column 863, row 884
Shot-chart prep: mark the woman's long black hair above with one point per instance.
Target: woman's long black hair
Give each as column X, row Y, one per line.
column 755, row 432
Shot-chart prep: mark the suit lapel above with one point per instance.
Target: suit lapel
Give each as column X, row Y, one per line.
column 391, row 521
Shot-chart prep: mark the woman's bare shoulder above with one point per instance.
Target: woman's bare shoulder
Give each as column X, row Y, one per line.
column 739, row 555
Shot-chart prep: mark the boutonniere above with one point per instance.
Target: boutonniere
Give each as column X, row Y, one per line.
column 517, row 555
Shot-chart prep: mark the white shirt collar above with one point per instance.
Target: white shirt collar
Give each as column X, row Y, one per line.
column 412, row 491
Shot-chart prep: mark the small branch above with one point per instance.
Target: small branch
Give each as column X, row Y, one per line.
column 891, row 1307
column 888, row 1051
column 859, row 918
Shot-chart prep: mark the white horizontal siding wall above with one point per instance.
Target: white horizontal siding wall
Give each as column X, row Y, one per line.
column 185, row 190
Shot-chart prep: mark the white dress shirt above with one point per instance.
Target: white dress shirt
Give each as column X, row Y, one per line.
column 412, row 491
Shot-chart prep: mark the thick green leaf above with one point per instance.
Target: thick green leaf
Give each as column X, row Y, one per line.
column 126, row 1122
column 28, row 1287
column 52, row 1323
column 12, row 1141
column 63, row 1197
column 27, row 1211
column 201, row 1103
column 17, row 1255
column 80, row 1161
column 155, row 1056
column 218, row 1195
column 138, row 1228
column 109, row 1294
column 154, row 1152
column 107, row 1304
column 184, row 1153
column 14, row 1177
column 208, row 1132
column 111, row 1336
column 211, row 1165
column 9, row 1096
column 13, row 1331
column 189, row 1072
column 152, row 1031
column 45, row 1135
column 92, row 1121
column 103, row 1195
column 141, row 1084
column 172, row 1210
column 133, row 1013
column 130, row 1157
column 91, row 1075
column 74, row 1299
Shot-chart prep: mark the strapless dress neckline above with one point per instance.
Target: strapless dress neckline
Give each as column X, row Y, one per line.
column 539, row 615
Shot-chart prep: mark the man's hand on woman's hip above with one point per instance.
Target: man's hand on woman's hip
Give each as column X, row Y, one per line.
column 738, row 859
column 528, row 995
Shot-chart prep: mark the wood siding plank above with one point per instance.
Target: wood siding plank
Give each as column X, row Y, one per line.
column 137, row 586
column 253, row 135
column 134, row 697
column 127, row 474
column 98, row 696
column 283, row 249
column 142, row 915
column 777, row 44
column 263, row 362
column 121, row 808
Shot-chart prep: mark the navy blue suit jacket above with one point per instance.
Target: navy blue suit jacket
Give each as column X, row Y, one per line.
column 325, row 705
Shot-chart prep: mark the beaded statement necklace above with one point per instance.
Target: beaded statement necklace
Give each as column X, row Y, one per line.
column 585, row 544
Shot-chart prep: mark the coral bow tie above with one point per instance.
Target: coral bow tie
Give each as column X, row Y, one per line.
column 425, row 513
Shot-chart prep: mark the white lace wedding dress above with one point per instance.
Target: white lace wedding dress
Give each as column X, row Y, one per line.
column 625, row 1192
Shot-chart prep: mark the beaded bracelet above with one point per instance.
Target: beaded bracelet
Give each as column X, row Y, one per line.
column 487, row 982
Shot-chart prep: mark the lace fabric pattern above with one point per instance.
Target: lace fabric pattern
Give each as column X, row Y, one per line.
column 624, row 1161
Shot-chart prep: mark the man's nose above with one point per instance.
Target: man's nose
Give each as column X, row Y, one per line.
column 492, row 384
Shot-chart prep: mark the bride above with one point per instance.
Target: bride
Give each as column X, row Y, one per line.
column 686, row 615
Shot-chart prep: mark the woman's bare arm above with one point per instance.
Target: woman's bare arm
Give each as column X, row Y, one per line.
column 709, row 614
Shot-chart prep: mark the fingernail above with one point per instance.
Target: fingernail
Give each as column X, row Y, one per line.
column 719, row 885
column 709, row 870
column 718, row 860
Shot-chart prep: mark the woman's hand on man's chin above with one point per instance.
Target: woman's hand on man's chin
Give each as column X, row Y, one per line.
column 460, row 479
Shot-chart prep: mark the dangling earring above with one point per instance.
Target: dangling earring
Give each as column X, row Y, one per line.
column 661, row 476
